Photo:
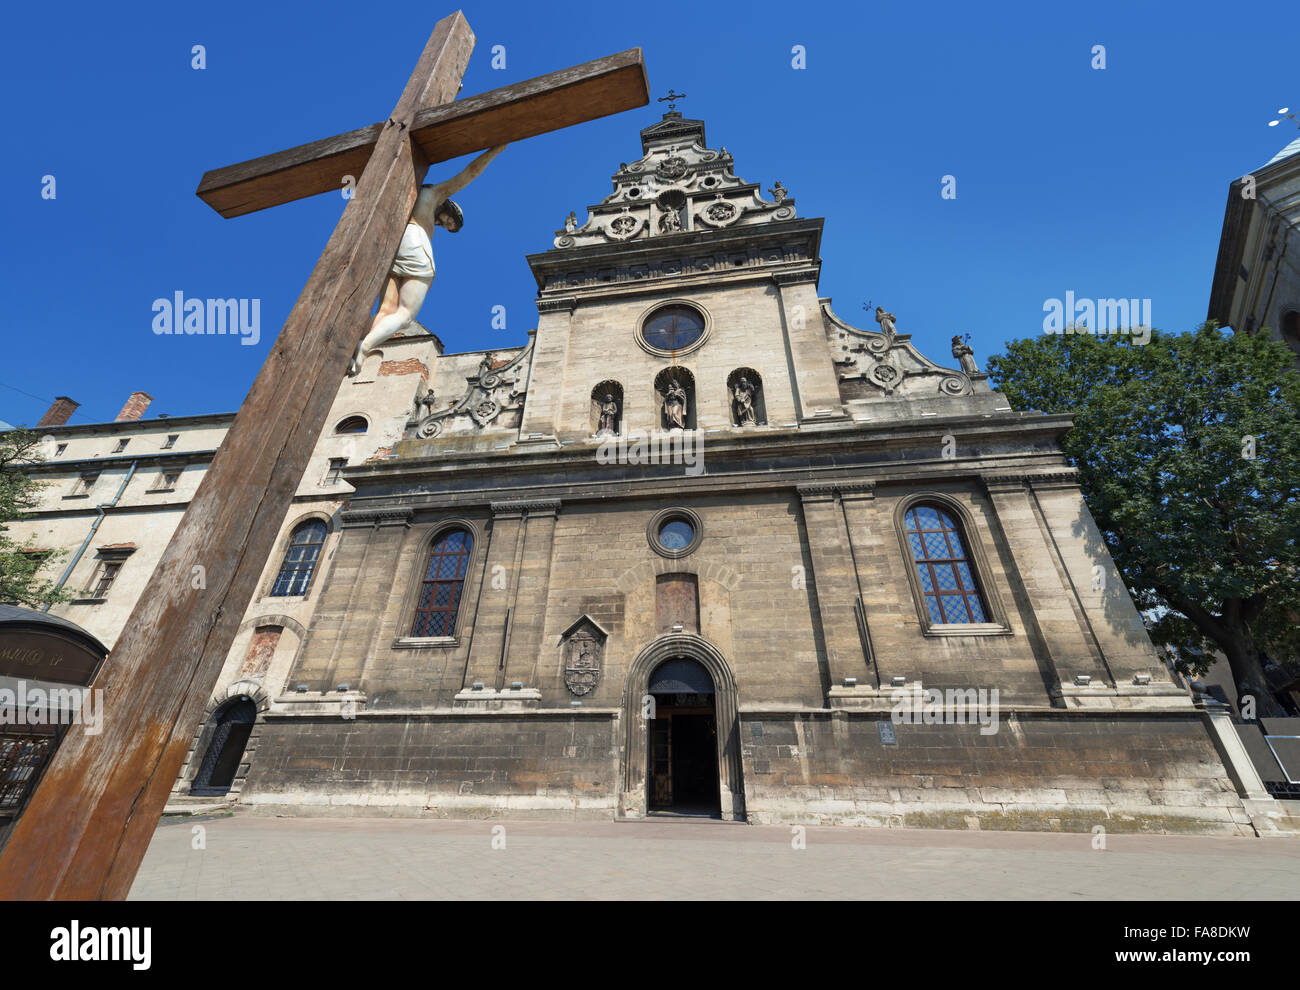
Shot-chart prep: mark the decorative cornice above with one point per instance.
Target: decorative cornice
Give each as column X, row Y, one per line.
column 1014, row 480
column 819, row 491
column 534, row 507
column 795, row 278
column 397, row 516
column 557, row 304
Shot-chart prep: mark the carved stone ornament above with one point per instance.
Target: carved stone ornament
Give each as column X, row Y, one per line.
column 673, row 167
column 490, row 392
column 721, row 212
column 584, row 649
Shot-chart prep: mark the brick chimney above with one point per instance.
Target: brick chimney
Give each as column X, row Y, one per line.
column 60, row 412
column 135, row 407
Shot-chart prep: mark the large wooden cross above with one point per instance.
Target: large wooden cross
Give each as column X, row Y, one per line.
column 89, row 823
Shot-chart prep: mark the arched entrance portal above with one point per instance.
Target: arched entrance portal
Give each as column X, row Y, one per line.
column 679, row 656
column 683, row 740
column 232, row 724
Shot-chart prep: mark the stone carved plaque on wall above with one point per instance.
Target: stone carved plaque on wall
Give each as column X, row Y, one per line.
column 583, row 651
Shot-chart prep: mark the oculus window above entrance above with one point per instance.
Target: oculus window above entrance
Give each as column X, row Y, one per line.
column 674, row 532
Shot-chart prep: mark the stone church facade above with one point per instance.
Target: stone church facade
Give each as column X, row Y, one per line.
column 703, row 546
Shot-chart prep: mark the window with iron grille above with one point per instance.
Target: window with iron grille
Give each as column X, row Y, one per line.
column 947, row 576
column 300, row 559
column 444, row 579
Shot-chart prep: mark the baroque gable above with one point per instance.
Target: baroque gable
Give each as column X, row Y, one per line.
column 678, row 185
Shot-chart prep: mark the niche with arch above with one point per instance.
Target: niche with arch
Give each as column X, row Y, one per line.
column 745, row 398
column 675, row 399
column 607, row 409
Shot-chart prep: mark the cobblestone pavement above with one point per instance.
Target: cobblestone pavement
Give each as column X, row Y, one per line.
column 319, row 858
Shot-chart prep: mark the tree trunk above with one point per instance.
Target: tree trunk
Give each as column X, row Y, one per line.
column 1248, row 672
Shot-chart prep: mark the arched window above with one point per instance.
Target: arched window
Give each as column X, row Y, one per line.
column 300, row 559
column 353, row 424
column 444, row 579
column 948, row 583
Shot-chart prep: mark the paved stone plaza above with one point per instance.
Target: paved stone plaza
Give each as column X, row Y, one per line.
column 250, row 857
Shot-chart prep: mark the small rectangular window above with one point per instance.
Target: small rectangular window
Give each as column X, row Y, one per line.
column 58, row 451
column 171, row 441
column 121, row 446
column 85, row 483
column 104, row 579
column 166, row 480
column 335, row 472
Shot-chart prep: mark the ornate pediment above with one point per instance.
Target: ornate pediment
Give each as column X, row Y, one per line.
column 495, row 389
column 885, row 363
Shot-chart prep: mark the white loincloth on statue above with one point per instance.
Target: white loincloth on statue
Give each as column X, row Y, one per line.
column 414, row 255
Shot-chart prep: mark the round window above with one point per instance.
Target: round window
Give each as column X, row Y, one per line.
column 673, row 328
column 676, row 534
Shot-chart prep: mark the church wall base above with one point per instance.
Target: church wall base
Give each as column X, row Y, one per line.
column 1063, row 773
column 438, row 764
column 1066, row 772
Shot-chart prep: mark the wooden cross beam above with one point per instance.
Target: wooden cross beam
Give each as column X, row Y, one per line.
column 547, row 103
column 89, row 823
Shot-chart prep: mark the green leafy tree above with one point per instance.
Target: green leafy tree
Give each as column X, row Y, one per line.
column 1188, row 451
column 19, row 494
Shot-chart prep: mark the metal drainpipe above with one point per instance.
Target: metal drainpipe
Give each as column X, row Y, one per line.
column 94, row 527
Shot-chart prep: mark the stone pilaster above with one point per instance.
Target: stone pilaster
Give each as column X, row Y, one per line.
column 1057, row 615
column 813, row 375
column 495, row 600
column 531, row 593
column 354, row 598
column 550, row 358
column 834, row 580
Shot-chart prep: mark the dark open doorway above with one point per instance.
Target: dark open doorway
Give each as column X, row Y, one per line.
column 683, row 741
column 231, row 726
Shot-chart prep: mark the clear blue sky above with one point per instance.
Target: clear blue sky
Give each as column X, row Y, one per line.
column 1107, row 183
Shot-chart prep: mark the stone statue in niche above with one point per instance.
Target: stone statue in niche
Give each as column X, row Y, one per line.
column 571, row 222
column 670, row 222
column 779, row 192
column 675, row 405
column 963, row 353
column 412, row 271
column 743, row 398
column 608, row 415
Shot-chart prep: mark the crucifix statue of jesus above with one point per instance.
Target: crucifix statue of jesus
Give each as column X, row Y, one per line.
column 88, row 823
column 412, row 272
